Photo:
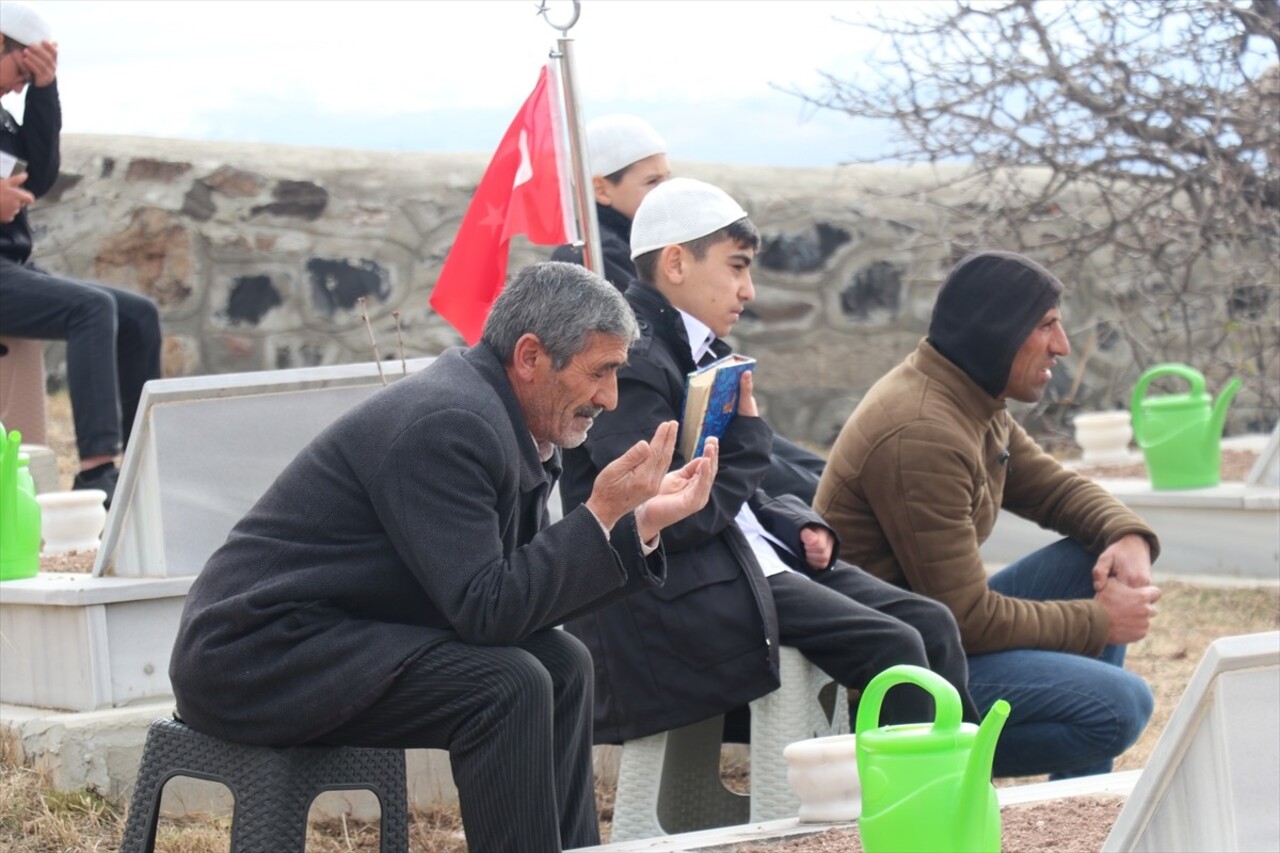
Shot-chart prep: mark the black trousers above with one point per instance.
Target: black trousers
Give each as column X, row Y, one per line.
column 517, row 723
column 853, row 626
column 113, row 346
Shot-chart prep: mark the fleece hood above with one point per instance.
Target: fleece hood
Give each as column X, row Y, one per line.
column 986, row 309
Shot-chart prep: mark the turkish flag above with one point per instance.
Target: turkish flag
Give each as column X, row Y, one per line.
column 522, row 192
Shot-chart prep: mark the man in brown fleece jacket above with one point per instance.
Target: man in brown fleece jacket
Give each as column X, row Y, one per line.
column 913, row 486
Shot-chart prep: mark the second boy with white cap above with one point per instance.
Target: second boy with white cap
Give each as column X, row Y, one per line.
column 752, row 569
column 628, row 159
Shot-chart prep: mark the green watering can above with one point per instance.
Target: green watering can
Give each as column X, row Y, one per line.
column 19, row 513
column 927, row 786
column 1180, row 434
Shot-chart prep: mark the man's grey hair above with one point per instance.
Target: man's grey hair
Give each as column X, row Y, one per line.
column 562, row 304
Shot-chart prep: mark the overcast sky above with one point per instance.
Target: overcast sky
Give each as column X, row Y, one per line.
column 448, row 75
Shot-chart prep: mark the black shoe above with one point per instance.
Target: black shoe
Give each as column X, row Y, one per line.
column 102, row 477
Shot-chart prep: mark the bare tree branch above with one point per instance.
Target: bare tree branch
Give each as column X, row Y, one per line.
column 1158, row 119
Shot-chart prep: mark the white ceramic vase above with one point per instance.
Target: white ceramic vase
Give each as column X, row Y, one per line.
column 71, row 521
column 1104, row 437
column 823, row 772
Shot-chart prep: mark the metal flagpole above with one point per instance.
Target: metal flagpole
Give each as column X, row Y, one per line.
column 583, row 197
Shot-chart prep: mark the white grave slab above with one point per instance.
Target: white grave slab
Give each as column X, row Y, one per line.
column 205, row 448
column 1213, row 780
column 1230, row 531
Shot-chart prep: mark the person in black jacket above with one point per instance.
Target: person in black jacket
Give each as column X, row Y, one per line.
column 750, row 570
column 399, row 584
column 628, row 159
column 113, row 335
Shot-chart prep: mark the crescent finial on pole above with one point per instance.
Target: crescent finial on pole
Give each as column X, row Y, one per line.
column 563, row 28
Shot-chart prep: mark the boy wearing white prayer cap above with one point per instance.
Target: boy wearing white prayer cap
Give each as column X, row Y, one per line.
column 753, row 569
column 113, row 335
column 628, row 159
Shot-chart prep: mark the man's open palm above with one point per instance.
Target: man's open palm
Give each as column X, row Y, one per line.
column 681, row 493
column 639, row 480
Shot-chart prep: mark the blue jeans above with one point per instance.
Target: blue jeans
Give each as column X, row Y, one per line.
column 1070, row 715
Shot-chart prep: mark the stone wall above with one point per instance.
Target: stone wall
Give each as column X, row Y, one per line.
column 258, row 256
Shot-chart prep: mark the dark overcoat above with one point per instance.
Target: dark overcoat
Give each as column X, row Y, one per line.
column 707, row 641
column 417, row 517
column 615, row 248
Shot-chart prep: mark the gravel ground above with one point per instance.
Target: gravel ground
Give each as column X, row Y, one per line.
column 1075, row 825
column 1235, row 466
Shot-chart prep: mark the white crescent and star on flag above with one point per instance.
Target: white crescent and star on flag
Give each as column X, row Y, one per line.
column 495, row 216
column 524, row 173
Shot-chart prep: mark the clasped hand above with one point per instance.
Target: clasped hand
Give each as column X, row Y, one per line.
column 639, row 481
column 818, row 544
column 1122, row 585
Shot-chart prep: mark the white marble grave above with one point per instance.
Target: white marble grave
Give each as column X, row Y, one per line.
column 1228, row 532
column 1213, row 780
column 204, row 449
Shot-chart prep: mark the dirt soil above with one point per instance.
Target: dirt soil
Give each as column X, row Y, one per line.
column 1235, row 467
column 74, row 561
column 1075, row 825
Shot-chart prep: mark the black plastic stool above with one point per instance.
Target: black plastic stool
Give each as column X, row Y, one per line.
column 273, row 788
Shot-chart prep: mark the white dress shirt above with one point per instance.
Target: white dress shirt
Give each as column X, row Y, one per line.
column 757, row 537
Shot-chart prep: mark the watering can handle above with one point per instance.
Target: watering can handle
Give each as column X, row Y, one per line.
column 9, row 444
column 1194, row 378
column 945, row 698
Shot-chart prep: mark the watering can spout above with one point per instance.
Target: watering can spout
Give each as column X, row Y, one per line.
column 1219, row 417
column 977, row 773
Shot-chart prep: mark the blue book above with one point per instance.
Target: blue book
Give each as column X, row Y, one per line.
column 710, row 402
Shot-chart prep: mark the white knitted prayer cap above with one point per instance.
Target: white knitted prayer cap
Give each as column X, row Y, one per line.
column 23, row 23
column 616, row 141
column 678, row 211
